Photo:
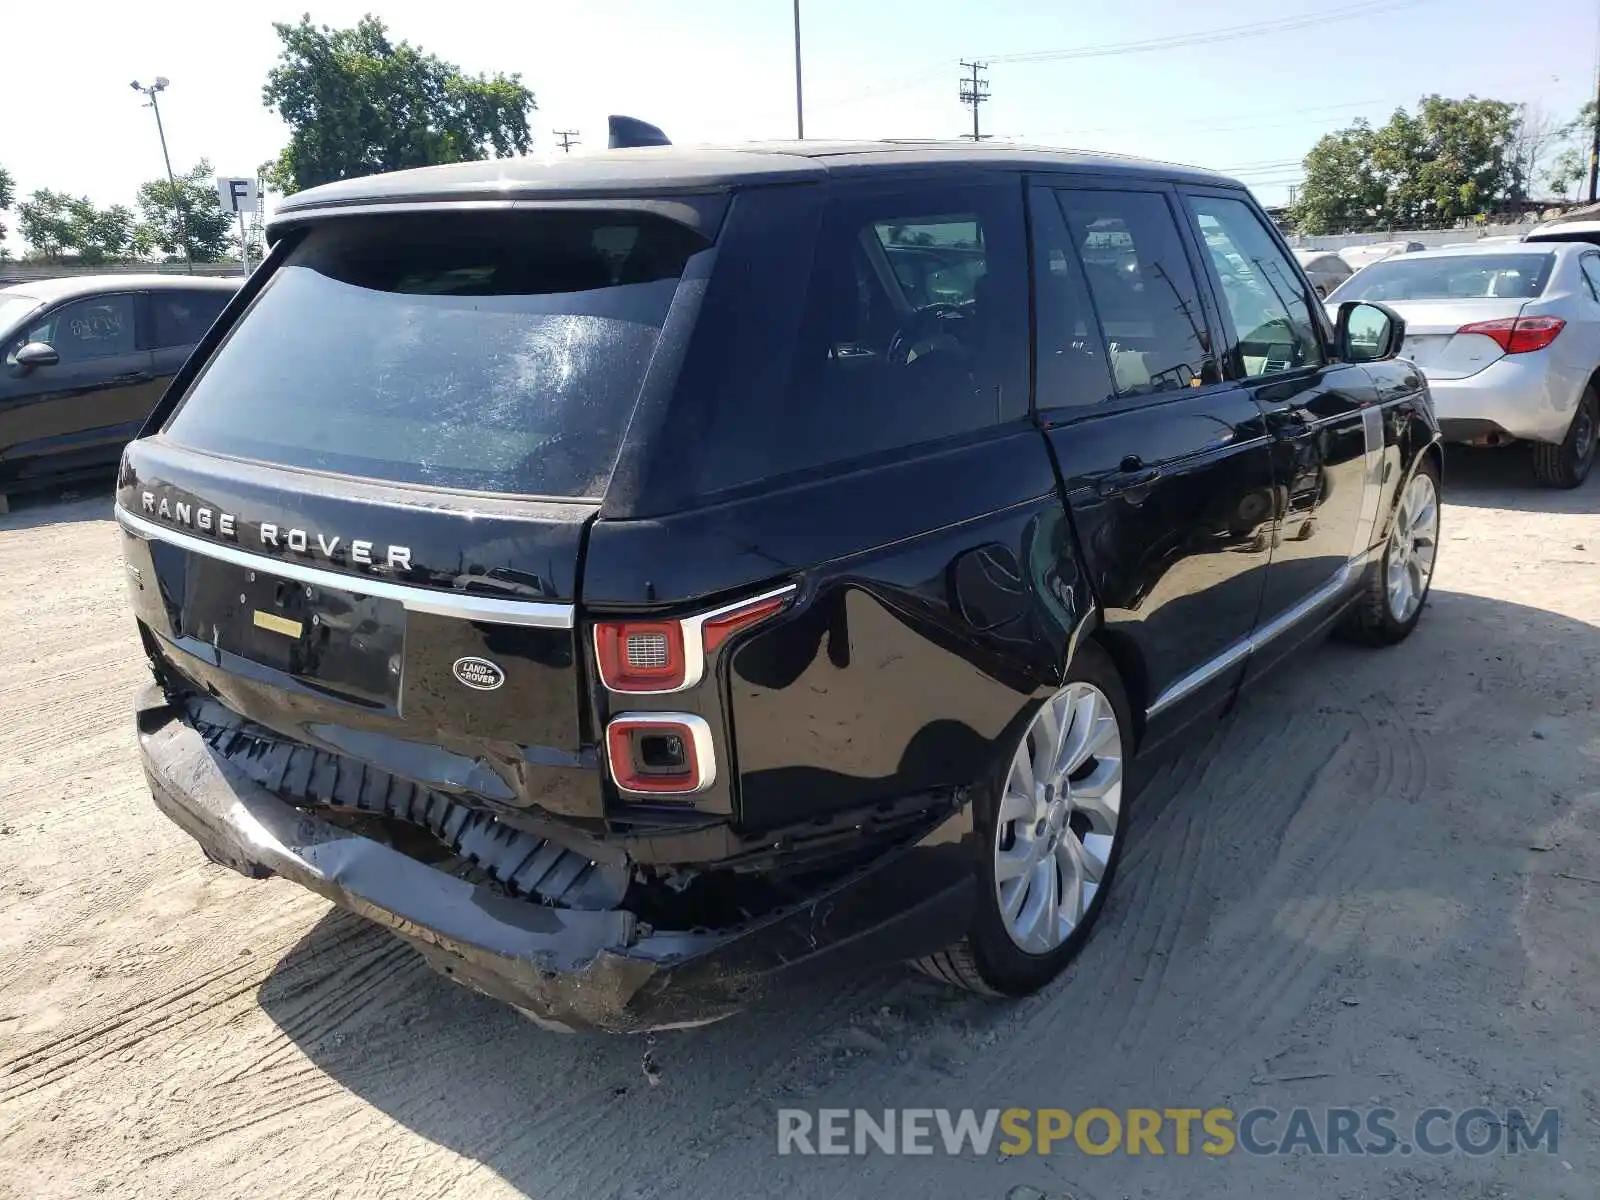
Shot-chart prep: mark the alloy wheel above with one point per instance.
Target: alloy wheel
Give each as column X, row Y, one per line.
column 1583, row 433
column 1059, row 817
column 1413, row 545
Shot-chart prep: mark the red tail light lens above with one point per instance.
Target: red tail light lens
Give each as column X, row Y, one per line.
column 721, row 626
column 1519, row 335
column 670, row 656
column 661, row 754
column 640, row 656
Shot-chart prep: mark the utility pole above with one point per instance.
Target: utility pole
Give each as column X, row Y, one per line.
column 799, row 95
column 160, row 85
column 569, row 139
column 974, row 91
column 1594, row 144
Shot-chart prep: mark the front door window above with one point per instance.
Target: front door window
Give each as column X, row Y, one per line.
column 1263, row 291
column 98, row 327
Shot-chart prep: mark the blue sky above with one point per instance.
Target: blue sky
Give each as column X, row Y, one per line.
column 720, row 70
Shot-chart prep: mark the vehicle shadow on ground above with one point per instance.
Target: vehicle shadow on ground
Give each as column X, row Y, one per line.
column 1313, row 850
column 60, row 506
column 1503, row 478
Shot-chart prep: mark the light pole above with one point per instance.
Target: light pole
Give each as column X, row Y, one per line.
column 799, row 99
column 160, row 85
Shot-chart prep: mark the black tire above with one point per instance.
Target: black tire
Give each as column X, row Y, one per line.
column 986, row 960
column 1568, row 464
column 1369, row 622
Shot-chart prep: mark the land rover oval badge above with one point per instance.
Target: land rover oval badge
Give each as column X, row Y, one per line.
column 479, row 673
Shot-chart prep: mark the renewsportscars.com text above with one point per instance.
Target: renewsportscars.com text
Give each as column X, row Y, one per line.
column 1166, row 1131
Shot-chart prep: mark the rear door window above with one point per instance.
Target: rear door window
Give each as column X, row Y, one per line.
column 914, row 330
column 1144, row 290
column 1069, row 356
column 494, row 352
column 181, row 318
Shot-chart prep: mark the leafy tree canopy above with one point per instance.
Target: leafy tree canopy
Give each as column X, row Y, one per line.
column 1570, row 169
column 8, row 194
column 213, row 235
column 57, row 226
column 1451, row 159
column 358, row 103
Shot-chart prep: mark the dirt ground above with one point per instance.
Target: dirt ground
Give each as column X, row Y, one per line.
column 1375, row 883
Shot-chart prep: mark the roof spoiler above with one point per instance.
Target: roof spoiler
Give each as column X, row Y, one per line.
column 628, row 132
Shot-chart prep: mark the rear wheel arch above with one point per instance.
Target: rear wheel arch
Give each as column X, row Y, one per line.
column 1129, row 664
column 1433, row 452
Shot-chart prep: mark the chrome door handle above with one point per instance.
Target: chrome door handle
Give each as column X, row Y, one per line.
column 1133, row 475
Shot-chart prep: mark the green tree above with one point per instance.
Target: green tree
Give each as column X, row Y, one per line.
column 1448, row 161
column 8, row 193
column 57, row 226
column 1342, row 191
column 1569, row 170
column 357, row 103
column 211, row 231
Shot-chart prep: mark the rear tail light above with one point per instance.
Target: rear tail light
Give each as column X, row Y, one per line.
column 660, row 754
column 670, row 656
column 641, row 656
column 1518, row 335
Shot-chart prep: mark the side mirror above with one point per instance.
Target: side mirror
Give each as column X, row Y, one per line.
column 37, row 354
column 1368, row 332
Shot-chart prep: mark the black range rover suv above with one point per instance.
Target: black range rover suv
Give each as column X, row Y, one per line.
column 638, row 579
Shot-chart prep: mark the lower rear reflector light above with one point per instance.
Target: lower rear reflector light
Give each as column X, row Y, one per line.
column 660, row 754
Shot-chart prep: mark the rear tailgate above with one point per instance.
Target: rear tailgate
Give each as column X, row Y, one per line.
column 430, row 639
column 362, row 525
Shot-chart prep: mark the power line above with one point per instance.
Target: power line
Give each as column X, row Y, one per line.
column 1209, row 36
column 568, row 139
column 974, row 91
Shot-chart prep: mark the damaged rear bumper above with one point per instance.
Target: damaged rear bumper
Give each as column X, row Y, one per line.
column 565, row 967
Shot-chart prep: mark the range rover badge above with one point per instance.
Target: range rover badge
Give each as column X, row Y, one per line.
column 479, row 673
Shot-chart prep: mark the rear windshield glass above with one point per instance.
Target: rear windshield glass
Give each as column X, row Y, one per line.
column 491, row 352
column 1456, row 277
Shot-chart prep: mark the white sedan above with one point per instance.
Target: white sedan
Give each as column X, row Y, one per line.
column 1509, row 338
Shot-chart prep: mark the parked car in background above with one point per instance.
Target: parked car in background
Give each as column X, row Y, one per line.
column 1324, row 268
column 1580, row 229
column 749, row 560
column 1509, row 337
column 1364, row 256
column 85, row 360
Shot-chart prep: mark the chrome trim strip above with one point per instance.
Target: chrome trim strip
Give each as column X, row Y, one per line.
column 487, row 609
column 1293, row 616
column 694, row 653
column 705, row 754
column 1200, row 676
column 1252, row 642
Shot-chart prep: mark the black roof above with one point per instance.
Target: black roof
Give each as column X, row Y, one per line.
column 70, row 287
column 650, row 171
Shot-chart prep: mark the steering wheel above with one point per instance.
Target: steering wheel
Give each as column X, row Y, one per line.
column 923, row 336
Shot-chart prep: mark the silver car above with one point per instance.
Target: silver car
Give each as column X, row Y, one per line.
column 1324, row 268
column 1509, row 338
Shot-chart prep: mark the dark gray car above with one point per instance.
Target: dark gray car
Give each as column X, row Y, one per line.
column 85, row 360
